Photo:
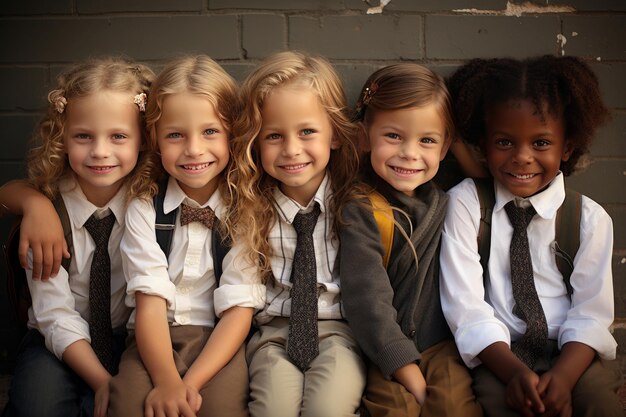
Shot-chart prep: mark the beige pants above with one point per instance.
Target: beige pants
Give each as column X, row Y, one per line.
column 331, row 387
column 226, row 394
column 448, row 382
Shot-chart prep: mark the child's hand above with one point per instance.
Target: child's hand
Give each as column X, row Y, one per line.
column 41, row 231
column 522, row 394
column 173, row 400
column 556, row 393
column 101, row 400
column 410, row 376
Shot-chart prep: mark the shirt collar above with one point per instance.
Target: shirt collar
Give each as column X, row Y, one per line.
column 546, row 203
column 80, row 209
column 288, row 208
column 175, row 196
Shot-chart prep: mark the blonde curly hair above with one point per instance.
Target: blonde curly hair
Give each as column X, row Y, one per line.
column 253, row 213
column 47, row 161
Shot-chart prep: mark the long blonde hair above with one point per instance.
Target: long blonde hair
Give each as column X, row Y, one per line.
column 254, row 212
column 47, row 161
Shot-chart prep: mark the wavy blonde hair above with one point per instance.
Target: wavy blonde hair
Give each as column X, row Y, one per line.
column 47, row 161
column 202, row 76
column 254, row 213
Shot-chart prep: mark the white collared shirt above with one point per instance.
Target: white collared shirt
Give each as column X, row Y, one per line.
column 60, row 309
column 185, row 279
column 283, row 239
column 477, row 323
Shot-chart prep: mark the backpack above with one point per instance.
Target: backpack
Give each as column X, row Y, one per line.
column 166, row 223
column 383, row 214
column 567, row 229
column 17, row 285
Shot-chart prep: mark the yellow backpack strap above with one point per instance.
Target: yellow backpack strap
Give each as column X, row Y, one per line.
column 383, row 214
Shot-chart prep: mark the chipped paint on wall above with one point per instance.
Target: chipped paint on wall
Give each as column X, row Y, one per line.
column 561, row 40
column 518, row 10
column 378, row 9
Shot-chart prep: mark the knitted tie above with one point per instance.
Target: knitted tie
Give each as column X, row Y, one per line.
column 205, row 215
column 303, row 342
column 527, row 305
column 100, row 291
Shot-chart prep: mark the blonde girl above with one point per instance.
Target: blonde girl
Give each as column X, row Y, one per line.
column 180, row 360
column 296, row 155
column 88, row 157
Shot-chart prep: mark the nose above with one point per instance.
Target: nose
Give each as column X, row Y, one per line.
column 100, row 148
column 523, row 155
column 291, row 146
column 194, row 146
column 409, row 149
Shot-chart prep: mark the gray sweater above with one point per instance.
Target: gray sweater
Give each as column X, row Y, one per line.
column 396, row 313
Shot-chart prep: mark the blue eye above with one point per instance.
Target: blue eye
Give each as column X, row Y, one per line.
column 273, row 136
column 173, row 135
column 209, row 132
column 306, row 132
column 118, row 136
column 82, row 136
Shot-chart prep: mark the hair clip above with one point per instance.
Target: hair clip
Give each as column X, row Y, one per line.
column 362, row 104
column 140, row 100
column 59, row 104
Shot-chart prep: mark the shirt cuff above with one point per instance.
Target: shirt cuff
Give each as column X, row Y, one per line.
column 62, row 336
column 473, row 340
column 150, row 286
column 592, row 334
column 239, row 295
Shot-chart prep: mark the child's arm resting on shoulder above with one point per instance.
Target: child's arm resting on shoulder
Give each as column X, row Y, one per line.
column 40, row 229
column 226, row 339
column 83, row 360
column 170, row 394
column 522, row 392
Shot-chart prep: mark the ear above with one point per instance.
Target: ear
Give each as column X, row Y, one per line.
column 363, row 140
column 567, row 151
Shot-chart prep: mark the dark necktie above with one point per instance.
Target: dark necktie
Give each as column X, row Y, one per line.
column 527, row 305
column 100, row 291
column 205, row 215
column 303, row 342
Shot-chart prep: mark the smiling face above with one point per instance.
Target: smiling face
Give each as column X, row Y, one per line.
column 407, row 145
column 102, row 138
column 193, row 143
column 524, row 152
column 295, row 141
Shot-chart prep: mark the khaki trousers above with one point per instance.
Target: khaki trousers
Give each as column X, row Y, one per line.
column 448, row 384
column 226, row 394
column 331, row 387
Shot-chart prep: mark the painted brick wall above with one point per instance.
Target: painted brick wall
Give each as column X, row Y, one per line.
column 39, row 37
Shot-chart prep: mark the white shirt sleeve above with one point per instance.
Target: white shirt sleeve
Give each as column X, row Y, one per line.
column 53, row 311
column 591, row 312
column 240, row 284
column 471, row 319
column 145, row 264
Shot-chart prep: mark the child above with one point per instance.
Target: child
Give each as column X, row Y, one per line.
column 181, row 360
column 533, row 347
column 296, row 164
column 91, row 139
column 405, row 117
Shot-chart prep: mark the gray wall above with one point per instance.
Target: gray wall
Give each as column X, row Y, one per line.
column 39, row 37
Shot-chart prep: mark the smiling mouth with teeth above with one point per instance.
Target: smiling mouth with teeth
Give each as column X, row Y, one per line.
column 522, row 176
column 293, row 167
column 196, row 167
column 405, row 171
column 102, row 168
